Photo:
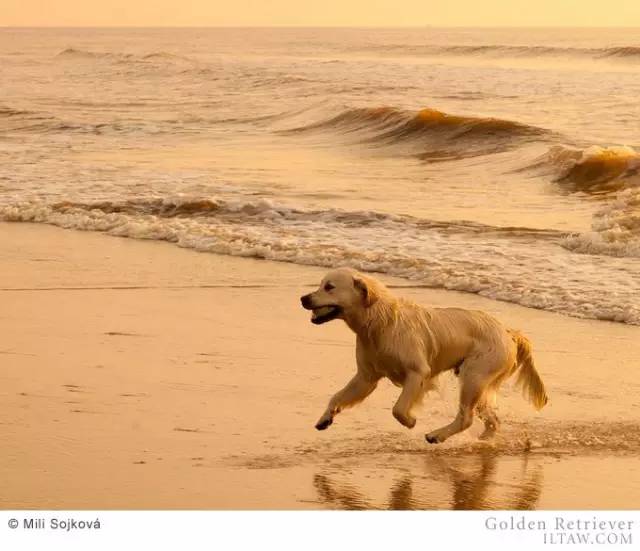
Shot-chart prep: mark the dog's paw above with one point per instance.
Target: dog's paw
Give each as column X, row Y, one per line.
column 323, row 424
column 487, row 435
column 405, row 420
column 431, row 439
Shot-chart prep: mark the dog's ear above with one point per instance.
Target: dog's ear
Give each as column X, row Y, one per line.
column 367, row 291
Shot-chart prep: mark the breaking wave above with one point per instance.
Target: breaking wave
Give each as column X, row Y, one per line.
column 595, row 169
column 614, row 174
column 265, row 210
column 400, row 124
column 531, row 267
column 388, row 126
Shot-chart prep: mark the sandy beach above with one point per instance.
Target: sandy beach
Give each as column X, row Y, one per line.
column 141, row 375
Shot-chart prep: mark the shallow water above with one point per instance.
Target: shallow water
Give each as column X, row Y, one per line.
column 498, row 162
column 475, row 481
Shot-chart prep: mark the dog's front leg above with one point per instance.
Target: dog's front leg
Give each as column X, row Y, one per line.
column 412, row 392
column 356, row 390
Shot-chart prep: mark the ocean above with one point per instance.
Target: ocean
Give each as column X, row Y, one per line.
column 503, row 162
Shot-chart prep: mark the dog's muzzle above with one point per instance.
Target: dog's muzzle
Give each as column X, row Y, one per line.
column 320, row 314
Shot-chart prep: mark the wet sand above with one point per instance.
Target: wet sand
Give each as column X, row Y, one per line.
column 140, row 375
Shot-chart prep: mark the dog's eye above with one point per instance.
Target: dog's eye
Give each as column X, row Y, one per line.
column 328, row 287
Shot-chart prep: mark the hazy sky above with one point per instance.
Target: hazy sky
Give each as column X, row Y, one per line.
column 320, row 13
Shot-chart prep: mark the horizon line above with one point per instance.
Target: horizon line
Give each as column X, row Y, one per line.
column 286, row 26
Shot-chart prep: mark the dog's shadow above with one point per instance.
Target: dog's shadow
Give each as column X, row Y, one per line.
column 472, row 480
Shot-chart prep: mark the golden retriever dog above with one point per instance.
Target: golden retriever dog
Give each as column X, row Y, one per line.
column 411, row 345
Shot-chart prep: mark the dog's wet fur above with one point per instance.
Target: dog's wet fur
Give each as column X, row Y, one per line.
column 411, row 345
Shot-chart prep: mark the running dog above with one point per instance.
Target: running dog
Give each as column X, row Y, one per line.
column 411, row 345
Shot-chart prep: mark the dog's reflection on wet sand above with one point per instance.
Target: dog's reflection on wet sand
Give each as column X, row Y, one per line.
column 472, row 480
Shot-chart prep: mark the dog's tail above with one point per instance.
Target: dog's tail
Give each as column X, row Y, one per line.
column 528, row 378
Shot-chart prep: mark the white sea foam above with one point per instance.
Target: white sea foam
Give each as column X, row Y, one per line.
column 615, row 229
column 516, row 265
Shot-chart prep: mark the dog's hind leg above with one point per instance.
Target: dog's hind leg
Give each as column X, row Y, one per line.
column 412, row 392
column 486, row 412
column 475, row 377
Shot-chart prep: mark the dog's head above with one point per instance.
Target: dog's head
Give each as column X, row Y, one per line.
column 342, row 292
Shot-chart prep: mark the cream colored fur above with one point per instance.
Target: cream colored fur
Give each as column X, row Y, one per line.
column 411, row 345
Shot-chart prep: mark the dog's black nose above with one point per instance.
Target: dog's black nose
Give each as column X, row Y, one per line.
column 306, row 301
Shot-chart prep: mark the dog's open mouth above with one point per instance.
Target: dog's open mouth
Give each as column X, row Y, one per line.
column 325, row 314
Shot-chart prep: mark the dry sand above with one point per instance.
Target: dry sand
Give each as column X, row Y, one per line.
column 140, row 375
